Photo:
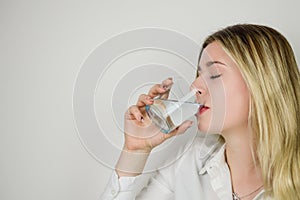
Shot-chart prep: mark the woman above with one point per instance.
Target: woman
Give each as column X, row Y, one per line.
column 257, row 152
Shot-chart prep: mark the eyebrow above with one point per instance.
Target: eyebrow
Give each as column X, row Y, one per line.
column 210, row 63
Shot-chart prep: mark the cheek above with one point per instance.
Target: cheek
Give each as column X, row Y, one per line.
column 236, row 105
column 213, row 120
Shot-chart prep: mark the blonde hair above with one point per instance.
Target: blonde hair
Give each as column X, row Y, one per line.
column 268, row 65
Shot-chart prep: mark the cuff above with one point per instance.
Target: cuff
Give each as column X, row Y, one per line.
column 125, row 186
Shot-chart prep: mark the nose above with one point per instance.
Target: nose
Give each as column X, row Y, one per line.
column 199, row 85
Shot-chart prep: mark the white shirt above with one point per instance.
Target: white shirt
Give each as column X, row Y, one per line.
column 201, row 173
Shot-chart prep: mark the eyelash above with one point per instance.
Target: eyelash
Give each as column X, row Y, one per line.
column 212, row 77
column 215, row 76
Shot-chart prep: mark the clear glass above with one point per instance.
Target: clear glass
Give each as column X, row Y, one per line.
column 167, row 114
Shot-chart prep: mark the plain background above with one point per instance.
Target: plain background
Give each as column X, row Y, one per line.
column 42, row 47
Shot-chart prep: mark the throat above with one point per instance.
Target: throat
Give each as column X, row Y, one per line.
column 246, row 178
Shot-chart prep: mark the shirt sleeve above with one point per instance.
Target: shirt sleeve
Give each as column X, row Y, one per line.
column 142, row 187
column 124, row 188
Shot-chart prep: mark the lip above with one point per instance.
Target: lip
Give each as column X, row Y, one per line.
column 203, row 109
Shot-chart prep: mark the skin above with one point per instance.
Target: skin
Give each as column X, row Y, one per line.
column 228, row 99
column 223, row 90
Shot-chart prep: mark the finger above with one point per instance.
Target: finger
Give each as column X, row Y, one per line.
column 166, row 84
column 165, row 95
column 144, row 100
column 157, row 90
column 133, row 112
column 161, row 89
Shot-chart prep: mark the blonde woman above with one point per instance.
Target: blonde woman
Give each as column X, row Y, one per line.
column 256, row 153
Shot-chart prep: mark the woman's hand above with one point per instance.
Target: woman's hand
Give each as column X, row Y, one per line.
column 140, row 134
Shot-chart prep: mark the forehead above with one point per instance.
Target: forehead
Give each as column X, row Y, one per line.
column 214, row 52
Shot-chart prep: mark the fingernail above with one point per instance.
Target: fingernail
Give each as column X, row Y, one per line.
column 167, row 83
column 165, row 87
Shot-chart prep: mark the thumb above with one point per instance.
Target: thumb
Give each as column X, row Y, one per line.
column 182, row 128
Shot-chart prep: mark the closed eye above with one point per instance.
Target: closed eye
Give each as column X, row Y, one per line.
column 215, row 76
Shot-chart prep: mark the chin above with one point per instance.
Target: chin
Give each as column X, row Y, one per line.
column 208, row 129
column 210, row 125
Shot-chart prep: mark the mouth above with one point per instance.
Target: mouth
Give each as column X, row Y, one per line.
column 202, row 109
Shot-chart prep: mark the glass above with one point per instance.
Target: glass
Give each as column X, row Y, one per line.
column 167, row 114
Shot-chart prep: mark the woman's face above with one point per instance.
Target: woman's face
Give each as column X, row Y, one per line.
column 223, row 92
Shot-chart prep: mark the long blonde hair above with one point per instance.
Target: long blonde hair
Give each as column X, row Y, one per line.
column 268, row 65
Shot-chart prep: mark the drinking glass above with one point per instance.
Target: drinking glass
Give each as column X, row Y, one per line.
column 167, row 114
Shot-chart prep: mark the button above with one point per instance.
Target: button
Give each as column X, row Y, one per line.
column 211, row 170
column 113, row 192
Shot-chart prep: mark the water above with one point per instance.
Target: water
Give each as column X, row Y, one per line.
column 168, row 114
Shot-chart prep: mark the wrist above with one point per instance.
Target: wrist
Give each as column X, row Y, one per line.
column 131, row 162
column 133, row 149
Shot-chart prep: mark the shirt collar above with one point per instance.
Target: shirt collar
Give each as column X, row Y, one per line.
column 216, row 159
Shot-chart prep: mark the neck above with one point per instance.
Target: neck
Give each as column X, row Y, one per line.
column 241, row 159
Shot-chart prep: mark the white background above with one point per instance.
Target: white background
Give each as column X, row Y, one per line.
column 42, row 47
